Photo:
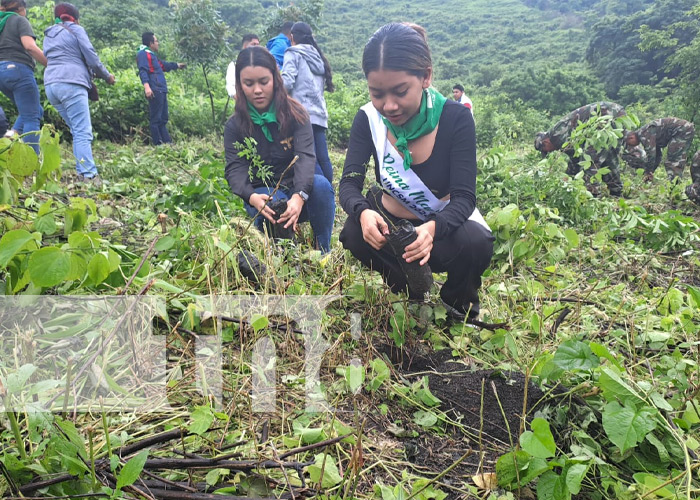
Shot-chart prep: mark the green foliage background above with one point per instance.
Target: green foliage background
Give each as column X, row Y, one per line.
column 523, row 62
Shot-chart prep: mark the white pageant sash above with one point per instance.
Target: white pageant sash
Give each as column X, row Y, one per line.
column 404, row 185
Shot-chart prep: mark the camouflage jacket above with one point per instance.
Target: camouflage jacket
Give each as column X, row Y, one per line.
column 561, row 130
column 655, row 135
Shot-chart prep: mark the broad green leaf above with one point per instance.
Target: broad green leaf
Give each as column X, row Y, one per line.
column 672, row 302
column 602, row 352
column 11, row 243
column 551, row 486
column 50, row 151
column 78, row 267
column 22, row 160
column 114, row 260
column 575, row 355
column 535, row 323
column 625, row 426
column 310, row 435
column 528, row 468
column 355, row 377
column 572, row 237
column 324, row 465
column 694, row 295
column 45, row 224
column 165, row 243
column 17, row 380
column 425, row 418
column 380, row 372
column 574, row 477
column 424, row 394
column 691, row 414
column 98, row 268
column 651, row 482
column 660, row 448
column 131, row 470
column 214, row 475
column 49, row 266
column 258, row 322
column 75, row 220
column 614, row 387
column 201, row 419
column 539, row 442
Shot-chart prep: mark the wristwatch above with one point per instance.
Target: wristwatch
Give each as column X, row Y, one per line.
column 303, row 195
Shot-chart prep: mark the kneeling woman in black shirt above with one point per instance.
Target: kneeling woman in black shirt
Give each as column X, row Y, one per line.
column 281, row 129
column 424, row 150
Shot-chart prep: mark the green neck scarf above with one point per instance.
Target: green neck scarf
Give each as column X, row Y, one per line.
column 4, row 16
column 264, row 119
column 423, row 123
column 145, row 47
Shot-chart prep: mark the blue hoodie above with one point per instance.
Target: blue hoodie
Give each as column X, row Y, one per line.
column 277, row 46
column 72, row 58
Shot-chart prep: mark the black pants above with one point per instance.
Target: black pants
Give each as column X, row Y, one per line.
column 464, row 255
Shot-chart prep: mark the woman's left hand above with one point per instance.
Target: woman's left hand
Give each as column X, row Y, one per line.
column 291, row 215
column 421, row 248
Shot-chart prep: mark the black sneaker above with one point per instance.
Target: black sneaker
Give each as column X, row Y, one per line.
column 458, row 314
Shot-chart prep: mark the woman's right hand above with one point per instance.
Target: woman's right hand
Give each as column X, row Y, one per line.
column 110, row 80
column 374, row 228
column 257, row 201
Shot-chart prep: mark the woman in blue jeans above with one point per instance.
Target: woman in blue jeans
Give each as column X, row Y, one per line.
column 18, row 51
column 67, row 79
column 281, row 129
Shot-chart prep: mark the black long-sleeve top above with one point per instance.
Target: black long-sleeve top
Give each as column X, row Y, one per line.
column 277, row 154
column 450, row 169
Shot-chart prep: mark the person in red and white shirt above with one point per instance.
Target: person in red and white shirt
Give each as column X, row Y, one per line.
column 458, row 94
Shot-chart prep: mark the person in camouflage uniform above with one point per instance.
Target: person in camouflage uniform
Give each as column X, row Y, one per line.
column 693, row 191
column 643, row 146
column 560, row 133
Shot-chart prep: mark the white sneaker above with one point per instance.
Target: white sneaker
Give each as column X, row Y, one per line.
column 10, row 133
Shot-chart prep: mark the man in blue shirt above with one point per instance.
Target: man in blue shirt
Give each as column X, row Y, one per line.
column 280, row 43
column 152, row 74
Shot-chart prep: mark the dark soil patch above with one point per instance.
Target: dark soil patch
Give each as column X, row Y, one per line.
column 486, row 404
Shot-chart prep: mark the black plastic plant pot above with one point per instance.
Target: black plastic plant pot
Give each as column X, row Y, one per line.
column 250, row 267
column 419, row 278
column 278, row 231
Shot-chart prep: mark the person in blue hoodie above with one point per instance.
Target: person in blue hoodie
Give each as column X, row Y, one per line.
column 72, row 61
column 306, row 73
column 278, row 45
column 152, row 73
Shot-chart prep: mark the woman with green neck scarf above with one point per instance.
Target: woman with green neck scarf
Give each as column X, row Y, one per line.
column 424, row 150
column 281, row 129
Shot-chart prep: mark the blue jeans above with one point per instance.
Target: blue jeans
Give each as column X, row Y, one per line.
column 158, row 116
column 323, row 162
column 71, row 102
column 319, row 210
column 18, row 84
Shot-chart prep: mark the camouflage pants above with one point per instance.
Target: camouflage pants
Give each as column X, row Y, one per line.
column 693, row 191
column 609, row 159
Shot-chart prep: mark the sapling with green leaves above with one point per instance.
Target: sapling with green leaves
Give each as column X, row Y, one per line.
column 258, row 168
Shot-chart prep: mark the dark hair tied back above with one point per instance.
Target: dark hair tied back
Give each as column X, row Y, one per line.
column 67, row 10
column 302, row 34
column 398, row 47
